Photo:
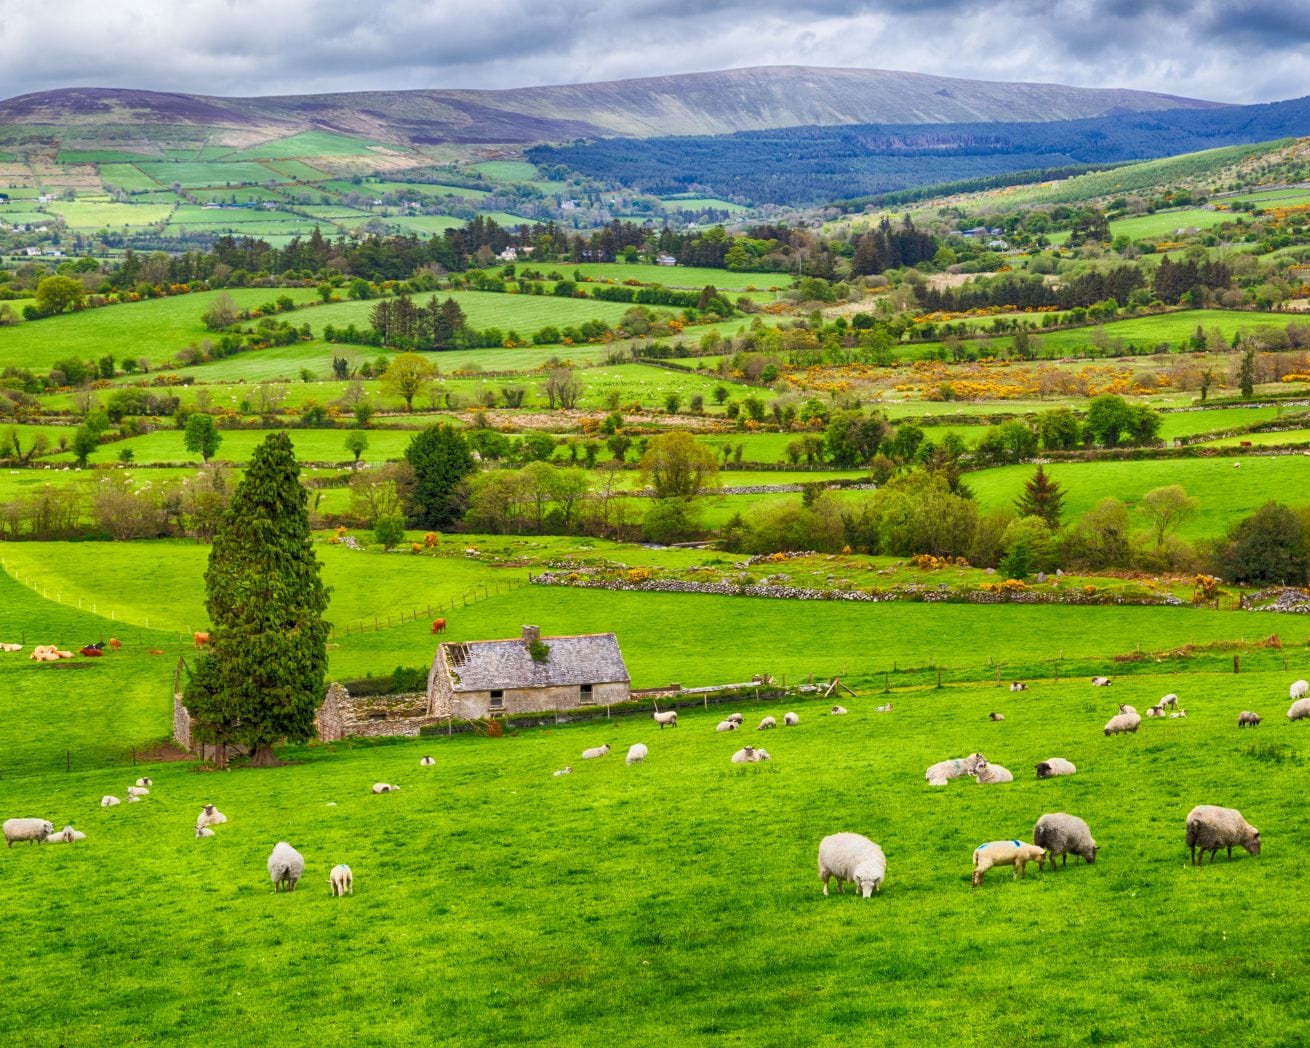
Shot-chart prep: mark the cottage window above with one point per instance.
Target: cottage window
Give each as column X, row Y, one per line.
column 587, row 700
column 497, row 700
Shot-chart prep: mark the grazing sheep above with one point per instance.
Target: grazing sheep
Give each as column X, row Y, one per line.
column 1299, row 690
column 791, row 719
column 940, row 772
column 36, row 830
column 1170, row 700
column 1180, row 713
column 567, row 770
column 210, row 816
column 137, row 791
column 667, row 719
column 1122, row 723
column 768, row 722
column 285, row 866
column 851, row 857
column 108, row 801
column 839, row 711
column 1018, row 686
column 1063, row 834
column 883, row 709
column 145, row 782
column 1125, row 708
column 1299, row 710
column 736, row 718
column 341, row 880
column 67, row 835
column 1053, row 766
column 996, row 716
column 1246, row 717
column 992, row 775
column 595, row 751
column 384, row 787
column 1101, row 682
column 1006, row 853
column 1155, row 711
column 204, row 831
column 426, row 762
column 1210, row 828
column 728, row 725
column 637, row 753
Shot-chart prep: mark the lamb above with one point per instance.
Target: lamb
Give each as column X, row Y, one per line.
column 595, row 751
column 750, row 755
column 851, row 857
column 1063, row 834
column 1170, row 700
column 1299, row 710
column 940, row 772
column 727, row 725
column 285, row 866
column 992, row 774
column 36, row 830
column 1155, row 711
column 761, row 754
column 108, row 801
column 768, row 722
column 1006, row 853
column 137, row 791
column 1101, row 682
column 839, row 711
column 1122, row 723
column 883, row 709
column 567, row 770
column 791, row 719
column 1018, row 686
column 996, row 716
column 426, row 762
column 1125, row 708
column 384, row 787
column 1053, row 766
column 204, row 831
column 145, row 782
column 67, row 835
column 1211, row 827
column 210, row 816
column 667, row 719
column 1299, row 690
column 1246, row 717
column 637, row 753
column 1180, row 713
column 341, row 880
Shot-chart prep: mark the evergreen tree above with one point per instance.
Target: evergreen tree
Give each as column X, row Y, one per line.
column 441, row 459
column 262, row 680
column 1246, row 372
column 1042, row 497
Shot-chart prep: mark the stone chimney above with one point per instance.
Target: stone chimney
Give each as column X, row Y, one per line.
column 531, row 634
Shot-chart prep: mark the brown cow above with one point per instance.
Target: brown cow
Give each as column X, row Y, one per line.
column 115, row 643
column 438, row 625
column 201, row 639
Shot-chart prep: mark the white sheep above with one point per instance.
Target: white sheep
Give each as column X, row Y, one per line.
column 568, row 770
column 1053, row 766
column 992, row 774
column 1123, row 722
column 750, row 755
column 1125, row 708
column 1210, row 828
column 1176, row 716
column 1170, row 700
column 996, row 716
column 791, row 719
column 143, row 781
column 883, row 709
column 108, row 801
column 1018, row 686
column 210, row 816
column 839, row 711
column 1101, row 682
column 426, row 762
column 595, row 751
column 761, row 754
column 35, row 830
column 384, row 787
column 1299, row 710
column 341, row 880
column 727, row 725
column 1063, row 834
column 1006, row 853
column 1299, row 689
column 285, row 866
column 1155, row 711
column 1246, row 717
column 637, row 753
column 736, row 718
column 137, row 791
column 204, row 831
column 667, row 719
column 768, row 722
column 67, row 835
column 942, row 771
column 851, row 857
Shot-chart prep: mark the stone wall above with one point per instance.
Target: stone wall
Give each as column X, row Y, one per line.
column 342, row 716
column 181, row 723
column 474, row 705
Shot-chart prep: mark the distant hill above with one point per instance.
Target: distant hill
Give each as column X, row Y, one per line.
column 692, row 104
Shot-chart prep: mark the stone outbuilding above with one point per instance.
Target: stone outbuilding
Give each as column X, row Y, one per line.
column 484, row 678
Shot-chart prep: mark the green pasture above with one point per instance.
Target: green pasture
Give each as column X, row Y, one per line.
column 701, row 204
column 195, row 215
column 372, row 188
column 507, row 170
column 1174, row 424
column 127, row 177
column 669, row 276
column 1165, row 224
column 238, row 195
column 306, row 144
column 201, row 175
column 1263, row 440
column 1271, row 198
column 80, row 214
column 296, row 170
column 427, row 224
column 15, row 215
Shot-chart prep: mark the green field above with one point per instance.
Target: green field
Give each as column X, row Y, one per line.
column 701, row 204
column 104, row 214
column 669, row 276
column 507, row 170
column 1165, row 224
column 306, row 144
column 127, row 177
column 212, row 175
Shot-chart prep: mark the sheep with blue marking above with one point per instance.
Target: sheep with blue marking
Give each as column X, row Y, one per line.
column 1006, row 853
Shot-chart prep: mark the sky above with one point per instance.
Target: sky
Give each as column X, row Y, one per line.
column 1257, row 51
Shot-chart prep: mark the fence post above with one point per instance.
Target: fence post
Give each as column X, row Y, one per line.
column 68, row 760
column 1237, row 664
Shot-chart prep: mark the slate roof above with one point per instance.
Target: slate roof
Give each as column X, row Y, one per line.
column 484, row 665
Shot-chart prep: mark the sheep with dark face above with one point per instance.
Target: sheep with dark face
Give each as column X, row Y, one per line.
column 1054, row 766
column 1248, row 719
column 1063, row 834
column 1210, row 828
column 1101, row 682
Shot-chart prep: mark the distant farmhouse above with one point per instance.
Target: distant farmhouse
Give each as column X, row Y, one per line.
column 476, row 679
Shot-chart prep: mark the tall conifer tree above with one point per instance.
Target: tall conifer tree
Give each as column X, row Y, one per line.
column 1042, row 497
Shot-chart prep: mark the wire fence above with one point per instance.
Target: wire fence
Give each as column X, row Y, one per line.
column 400, row 616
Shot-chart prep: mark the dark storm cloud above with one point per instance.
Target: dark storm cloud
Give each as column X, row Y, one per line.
column 1231, row 52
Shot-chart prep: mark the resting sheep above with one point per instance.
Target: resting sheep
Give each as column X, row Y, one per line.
column 1299, row 710
column 1210, row 828
column 1053, row 766
column 137, row 791
column 637, row 753
column 791, row 719
column 768, row 722
column 942, row 771
column 1124, row 722
column 1006, row 853
column 883, row 709
column 1299, row 689
column 669, row 719
column 996, row 716
column 108, row 801
column 595, row 751
column 992, row 774
column 851, row 857
column 285, row 866
column 384, row 787
column 426, row 762
column 210, row 816
column 204, row 831
column 36, row 830
column 839, row 711
column 1101, row 682
column 145, row 781
column 341, row 880
column 750, row 755
column 1180, row 713
column 1155, row 711
column 1063, row 834
column 563, row 771
column 1246, row 717
column 67, row 835
column 727, row 725
column 1018, row 686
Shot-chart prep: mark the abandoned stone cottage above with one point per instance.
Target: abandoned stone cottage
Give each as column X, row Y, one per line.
column 484, row 678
